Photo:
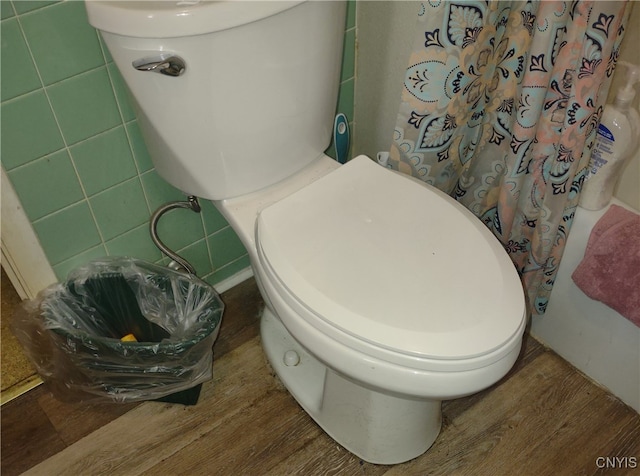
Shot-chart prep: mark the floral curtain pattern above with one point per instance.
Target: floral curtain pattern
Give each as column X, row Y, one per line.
column 500, row 107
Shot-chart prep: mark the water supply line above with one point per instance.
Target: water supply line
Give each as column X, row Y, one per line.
column 179, row 263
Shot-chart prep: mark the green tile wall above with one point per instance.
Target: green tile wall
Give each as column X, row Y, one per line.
column 73, row 151
column 347, row 79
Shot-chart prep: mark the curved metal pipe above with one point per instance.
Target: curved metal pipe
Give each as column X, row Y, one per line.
column 192, row 204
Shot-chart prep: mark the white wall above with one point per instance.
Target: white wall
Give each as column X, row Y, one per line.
column 385, row 32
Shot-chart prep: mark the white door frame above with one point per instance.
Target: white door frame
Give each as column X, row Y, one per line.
column 23, row 258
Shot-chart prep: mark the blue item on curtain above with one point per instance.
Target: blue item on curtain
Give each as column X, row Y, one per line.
column 500, row 107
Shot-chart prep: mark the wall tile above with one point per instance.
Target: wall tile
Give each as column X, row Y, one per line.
column 19, row 75
column 46, row 185
column 228, row 270
column 225, row 246
column 104, row 160
column 140, row 152
column 65, row 267
column 67, row 233
column 197, row 254
column 212, row 218
column 136, row 243
column 120, row 208
column 6, row 10
column 62, row 41
column 179, row 228
column 345, row 98
column 122, row 94
column 29, row 130
column 105, row 51
column 24, row 6
column 348, row 55
column 351, row 14
column 85, row 105
column 158, row 191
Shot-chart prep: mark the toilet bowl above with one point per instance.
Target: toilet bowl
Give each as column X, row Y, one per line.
column 383, row 295
column 366, row 333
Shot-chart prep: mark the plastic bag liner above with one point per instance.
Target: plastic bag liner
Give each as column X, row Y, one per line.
column 72, row 333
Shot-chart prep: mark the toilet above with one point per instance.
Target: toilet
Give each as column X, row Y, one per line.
column 384, row 296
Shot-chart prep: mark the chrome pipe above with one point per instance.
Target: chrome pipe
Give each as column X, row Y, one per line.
column 192, row 204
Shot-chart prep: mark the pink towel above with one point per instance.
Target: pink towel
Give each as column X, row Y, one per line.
column 610, row 269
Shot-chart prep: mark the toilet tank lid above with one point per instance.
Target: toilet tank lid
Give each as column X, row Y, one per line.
column 170, row 19
column 393, row 262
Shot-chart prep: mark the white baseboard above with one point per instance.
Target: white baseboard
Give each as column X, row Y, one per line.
column 234, row 280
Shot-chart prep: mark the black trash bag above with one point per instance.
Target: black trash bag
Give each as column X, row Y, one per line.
column 123, row 330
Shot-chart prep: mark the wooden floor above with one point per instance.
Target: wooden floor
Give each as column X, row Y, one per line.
column 16, row 367
column 544, row 418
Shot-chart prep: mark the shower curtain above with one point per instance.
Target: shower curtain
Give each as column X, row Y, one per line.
column 499, row 109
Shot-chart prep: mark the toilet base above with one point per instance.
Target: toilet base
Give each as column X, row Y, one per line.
column 378, row 427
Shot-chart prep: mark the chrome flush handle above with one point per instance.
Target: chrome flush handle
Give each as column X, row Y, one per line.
column 167, row 64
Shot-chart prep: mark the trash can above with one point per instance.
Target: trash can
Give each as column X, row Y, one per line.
column 123, row 330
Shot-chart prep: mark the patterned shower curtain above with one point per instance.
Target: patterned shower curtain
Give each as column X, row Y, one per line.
column 500, row 107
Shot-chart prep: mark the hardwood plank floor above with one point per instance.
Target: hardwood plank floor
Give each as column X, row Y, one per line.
column 543, row 418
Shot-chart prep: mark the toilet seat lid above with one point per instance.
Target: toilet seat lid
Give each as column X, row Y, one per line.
column 393, row 262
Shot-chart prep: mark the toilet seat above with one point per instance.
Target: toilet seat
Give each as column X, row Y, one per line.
column 389, row 265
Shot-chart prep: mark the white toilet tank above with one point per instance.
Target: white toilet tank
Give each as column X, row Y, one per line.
column 256, row 99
